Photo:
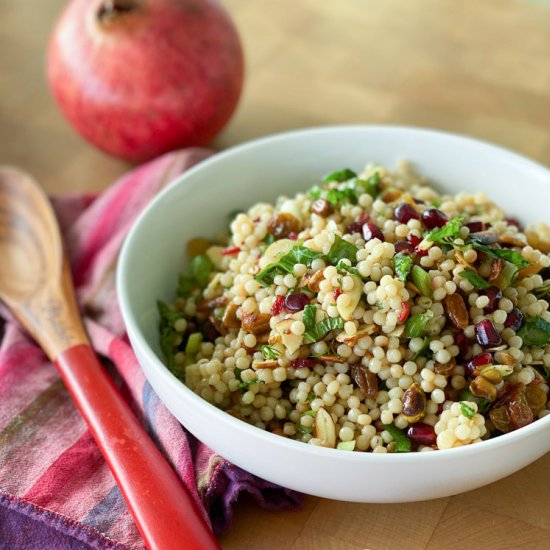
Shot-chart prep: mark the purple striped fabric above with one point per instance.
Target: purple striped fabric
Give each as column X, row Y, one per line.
column 56, row 491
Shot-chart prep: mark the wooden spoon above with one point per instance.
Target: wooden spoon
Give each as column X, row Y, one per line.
column 35, row 283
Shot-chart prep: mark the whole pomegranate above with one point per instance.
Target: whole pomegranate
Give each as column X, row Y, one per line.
column 138, row 78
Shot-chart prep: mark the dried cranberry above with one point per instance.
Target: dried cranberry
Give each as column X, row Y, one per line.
column 404, row 246
column 277, row 305
column 487, row 334
column 494, row 294
column 209, row 331
column 475, row 227
column 230, row 251
column 461, row 341
column 301, row 363
column 516, row 223
column 404, row 313
column 336, row 293
column 296, row 302
column 514, row 319
column 484, row 358
column 433, row 218
column 372, row 231
column 405, row 212
column 422, row 434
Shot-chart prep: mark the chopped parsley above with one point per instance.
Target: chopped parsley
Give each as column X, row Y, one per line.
column 447, row 233
column 167, row 331
column 269, row 352
column 341, row 249
column 340, row 175
column 535, row 332
column 322, row 328
column 466, row 410
column 474, row 279
column 422, row 281
column 503, row 253
column 402, row 442
column 402, row 265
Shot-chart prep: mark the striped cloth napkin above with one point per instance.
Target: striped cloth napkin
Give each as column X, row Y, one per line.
column 56, row 491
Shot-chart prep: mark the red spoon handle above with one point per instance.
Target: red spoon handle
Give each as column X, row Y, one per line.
column 162, row 508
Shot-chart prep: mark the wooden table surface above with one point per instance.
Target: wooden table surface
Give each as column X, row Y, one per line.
column 479, row 68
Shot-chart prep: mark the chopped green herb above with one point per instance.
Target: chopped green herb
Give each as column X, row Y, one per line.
column 310, row 396
column 186, row 285
column 474, row 279
column 482, row 404
column 269, row 239
column 339, row 196
column 422, row 281
column 341, row 249
column 535, row 332
column 244, row 385
column 193, row 343
column 425, row 347
column 296, row 255
column 310, row 413
column 402, row 265
column 322, row 328
column 315, row 192
column 340, row 175
column 402, row 442
column 269, row 352
column 370, row 185
column 308, row 317
column 466, row 410
column 436, row 203
column 503, row 253
column 447, row 233
column 417, row 324
column 201, row 267
column 167, row 331
column 343, row 266
column 346, row 445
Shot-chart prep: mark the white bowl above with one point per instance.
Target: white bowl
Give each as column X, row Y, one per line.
column 197, row 204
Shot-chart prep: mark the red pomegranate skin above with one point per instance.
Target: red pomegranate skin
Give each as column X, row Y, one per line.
column 148, row 76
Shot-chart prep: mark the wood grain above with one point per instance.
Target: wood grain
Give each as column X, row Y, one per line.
column 480, row 68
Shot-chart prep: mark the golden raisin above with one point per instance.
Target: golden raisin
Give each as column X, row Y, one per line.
column 281, row 225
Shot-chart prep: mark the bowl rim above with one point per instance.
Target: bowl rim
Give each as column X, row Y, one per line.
column 270, row 438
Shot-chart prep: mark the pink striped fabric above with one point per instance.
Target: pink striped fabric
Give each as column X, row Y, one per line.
column 55, row 488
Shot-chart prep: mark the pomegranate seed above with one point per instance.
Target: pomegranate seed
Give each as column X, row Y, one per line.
column 475, row 227
column 404, row 246
column 487, row 334
column 297, row 301
column 494, row 294
column 514, row 319
column 357, row 225
column 336, row 293
column 277, row 305
column 231, row 251
column 292, row 236
column 414, row 240
column 405, row 212
column 301, row 363
column 372, row 231
column 433, row 218
column 422, row 434
column 484, row 358
column 462, row 343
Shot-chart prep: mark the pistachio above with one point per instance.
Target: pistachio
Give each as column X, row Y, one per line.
column 491, row 374
column 456, row 310
column 481, row 387
column 445, row 369
column 229, row 318
column 256, row 323
column 324, row 428
column 366, row 380
column 414, row 403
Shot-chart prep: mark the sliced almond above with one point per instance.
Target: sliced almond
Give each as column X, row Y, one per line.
column 456, row 310
column 505, row 358
column 324, row 428
column 290, row 340
column 365, row 330
column 332, row 358
column 348, row 301
column 275, row 250
column 267, row 364
column 290, row 206
column 506, row 238
column 398, row 331
column 538, row 236
column 496, row 267
column 314, row 280
column 445, row 369
column 460, row 259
